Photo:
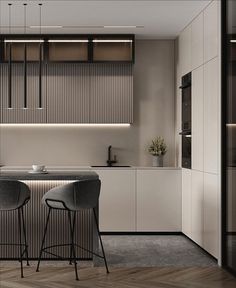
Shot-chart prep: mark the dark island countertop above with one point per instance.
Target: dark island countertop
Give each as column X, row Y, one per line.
column 51, row 175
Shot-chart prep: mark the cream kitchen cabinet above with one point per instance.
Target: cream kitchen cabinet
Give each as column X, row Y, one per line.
column 186, row 202
column 197, row 207
column 197, row 119
column 158, row 200
column 211, row 30
column 211, row 116
column 197, row 41
column 211, row 214
column 117, row 204
column 185, row 62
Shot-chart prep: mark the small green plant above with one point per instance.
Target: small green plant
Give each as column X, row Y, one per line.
column 157, row 147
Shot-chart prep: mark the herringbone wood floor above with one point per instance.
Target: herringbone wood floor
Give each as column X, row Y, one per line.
column 63, row 277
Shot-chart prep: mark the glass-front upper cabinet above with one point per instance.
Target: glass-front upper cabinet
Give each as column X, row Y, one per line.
column 113, row 48
column 19, row 50
column 67, row 49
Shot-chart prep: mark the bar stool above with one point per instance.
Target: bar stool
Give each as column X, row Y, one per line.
column 14, row 195
column 72, row 197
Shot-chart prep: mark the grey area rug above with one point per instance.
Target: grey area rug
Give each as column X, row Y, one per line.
column 153, row 251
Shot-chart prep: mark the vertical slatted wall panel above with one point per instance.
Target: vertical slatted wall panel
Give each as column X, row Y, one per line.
column 35, row 216
column 72, row 93
column 111, row 93
column 68, row 93
column 18, row 115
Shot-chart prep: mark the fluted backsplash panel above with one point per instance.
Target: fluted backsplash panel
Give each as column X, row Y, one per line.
column 71, row 93
column 58, row 229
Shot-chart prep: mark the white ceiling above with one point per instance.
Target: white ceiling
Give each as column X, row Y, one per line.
column 161, row 19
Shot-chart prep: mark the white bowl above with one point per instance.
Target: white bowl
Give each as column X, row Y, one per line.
column 38, row 168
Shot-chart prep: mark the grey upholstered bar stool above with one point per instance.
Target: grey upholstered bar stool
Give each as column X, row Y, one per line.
column 72, row 197
column 13, row 196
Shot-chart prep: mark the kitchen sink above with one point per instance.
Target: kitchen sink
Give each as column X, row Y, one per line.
column 117, row 166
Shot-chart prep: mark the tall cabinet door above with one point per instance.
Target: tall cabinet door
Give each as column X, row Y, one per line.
column 211, row 116
column 186, row 201
column 211, row 216
column 18, row 113
column 197, row 206
column 197, row 119
column 111, row 98
column 68, row 93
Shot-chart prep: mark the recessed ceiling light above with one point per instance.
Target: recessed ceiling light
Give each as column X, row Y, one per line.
column 123, row 26
column 46, row 27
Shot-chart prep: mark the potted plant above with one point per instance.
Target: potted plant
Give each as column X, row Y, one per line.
column 158, row 149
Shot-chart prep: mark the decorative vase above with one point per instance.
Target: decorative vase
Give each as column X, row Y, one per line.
column 157, row 161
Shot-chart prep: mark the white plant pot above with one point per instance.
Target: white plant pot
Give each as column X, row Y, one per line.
column 157, row 161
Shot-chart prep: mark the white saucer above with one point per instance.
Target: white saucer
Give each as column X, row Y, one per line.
column 36, row 172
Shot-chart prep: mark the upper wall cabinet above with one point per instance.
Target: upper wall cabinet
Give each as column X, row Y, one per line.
column 68, row 48
column 197, row 42
column 211, row 28
column 21, row 105
column 18, row 51
column 66, row 79
column 111, row 93
column 113, row 49
column 185, row 51
column 60, row 49
column 68, row 89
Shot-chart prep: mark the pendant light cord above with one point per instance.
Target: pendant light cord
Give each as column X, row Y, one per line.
column 9, row 63
column 40, row 57
column 25, row 61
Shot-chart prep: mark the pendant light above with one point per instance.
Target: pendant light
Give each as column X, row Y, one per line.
column 40, row 57
column 25, row 61
column 9, row 63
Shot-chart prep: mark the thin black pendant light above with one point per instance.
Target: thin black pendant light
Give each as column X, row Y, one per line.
column 9, row 63
column 25, row 61
column 40, row 57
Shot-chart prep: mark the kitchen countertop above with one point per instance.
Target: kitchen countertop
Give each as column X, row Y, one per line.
column 65, row 169
column 51, row 175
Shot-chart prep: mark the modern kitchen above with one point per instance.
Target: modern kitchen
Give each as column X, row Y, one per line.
column 117, row 146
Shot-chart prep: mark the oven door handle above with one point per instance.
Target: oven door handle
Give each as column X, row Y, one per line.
column 185, row 86
column 185, row 133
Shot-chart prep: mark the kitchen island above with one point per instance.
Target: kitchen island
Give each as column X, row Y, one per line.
column 35, row 217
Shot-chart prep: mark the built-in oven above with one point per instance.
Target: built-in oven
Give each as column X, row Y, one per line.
column 186, row 124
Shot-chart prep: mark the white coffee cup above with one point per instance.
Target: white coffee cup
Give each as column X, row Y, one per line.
column 38, row 168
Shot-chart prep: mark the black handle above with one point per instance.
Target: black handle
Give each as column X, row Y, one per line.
column 184, row 133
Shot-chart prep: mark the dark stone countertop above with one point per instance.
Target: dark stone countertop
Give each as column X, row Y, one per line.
column 53, row 175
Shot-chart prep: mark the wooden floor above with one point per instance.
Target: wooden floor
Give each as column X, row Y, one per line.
column 63, row 277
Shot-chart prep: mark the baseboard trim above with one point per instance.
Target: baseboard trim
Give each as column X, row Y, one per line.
column 200, row 247
column 174, row 233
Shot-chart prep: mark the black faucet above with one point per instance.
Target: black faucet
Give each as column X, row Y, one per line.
column 109, row 161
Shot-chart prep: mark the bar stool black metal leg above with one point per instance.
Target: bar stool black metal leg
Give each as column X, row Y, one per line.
column 100, row 238
column 20, row 246
column 70, row 263
column 44, row 236
column 24, row 232
column 73, row 245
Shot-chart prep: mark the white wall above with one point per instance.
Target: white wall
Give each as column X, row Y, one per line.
column 153, row 115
